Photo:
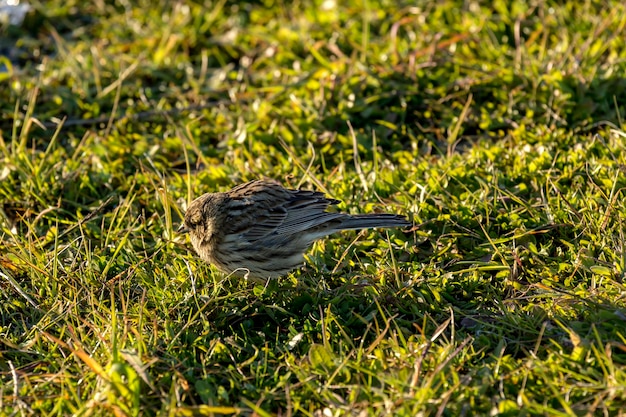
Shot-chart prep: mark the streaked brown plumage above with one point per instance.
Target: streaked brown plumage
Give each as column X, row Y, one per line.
column 261, row 229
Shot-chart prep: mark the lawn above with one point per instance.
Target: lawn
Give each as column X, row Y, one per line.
column 496, row 127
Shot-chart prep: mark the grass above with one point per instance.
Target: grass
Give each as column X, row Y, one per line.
column 497, row 128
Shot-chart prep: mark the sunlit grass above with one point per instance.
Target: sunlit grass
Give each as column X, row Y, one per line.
column 497, row 130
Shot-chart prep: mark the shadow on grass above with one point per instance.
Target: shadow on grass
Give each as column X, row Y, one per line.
column 400, row 107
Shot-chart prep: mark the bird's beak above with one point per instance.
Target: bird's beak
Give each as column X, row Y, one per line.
column 182, row 228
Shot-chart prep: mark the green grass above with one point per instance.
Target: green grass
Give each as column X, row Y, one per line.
column 497, row 128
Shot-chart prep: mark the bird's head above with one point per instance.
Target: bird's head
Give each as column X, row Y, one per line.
column 200, row 217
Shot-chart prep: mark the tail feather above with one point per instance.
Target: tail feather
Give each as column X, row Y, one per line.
column 369, row 221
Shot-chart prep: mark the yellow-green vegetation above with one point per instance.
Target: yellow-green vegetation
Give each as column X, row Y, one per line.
column 495, row 126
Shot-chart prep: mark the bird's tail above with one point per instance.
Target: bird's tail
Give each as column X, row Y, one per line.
column 369, row 221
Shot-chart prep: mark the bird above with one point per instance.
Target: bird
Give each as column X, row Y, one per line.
column 261, row 230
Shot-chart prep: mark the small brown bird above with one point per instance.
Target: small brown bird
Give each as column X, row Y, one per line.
column 261, row 230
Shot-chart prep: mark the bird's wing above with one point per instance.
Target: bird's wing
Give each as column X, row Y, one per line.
column 272, row 210
column 307, row 211
column 263, row 223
